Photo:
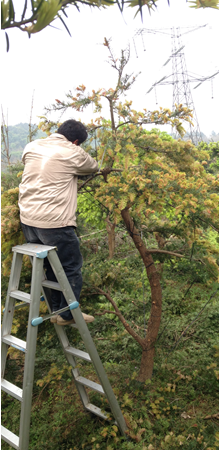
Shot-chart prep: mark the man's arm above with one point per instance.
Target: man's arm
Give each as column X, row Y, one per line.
column 83, row 163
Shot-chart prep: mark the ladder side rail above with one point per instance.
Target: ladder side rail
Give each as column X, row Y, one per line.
column 87, row 339
column 10, row 306
column 32, row 332
column 70, row 358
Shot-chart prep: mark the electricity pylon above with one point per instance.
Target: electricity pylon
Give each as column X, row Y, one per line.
column 181, row 85
column 180, row 77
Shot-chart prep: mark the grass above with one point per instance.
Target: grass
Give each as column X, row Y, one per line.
column 168, row 412
column 175, row 410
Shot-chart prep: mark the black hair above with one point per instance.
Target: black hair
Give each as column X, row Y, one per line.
column 73, row 130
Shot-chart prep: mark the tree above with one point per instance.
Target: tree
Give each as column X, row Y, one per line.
column 5, row 152
column 44, row 12
column 154, row 184
column 213, row 150
column 33, row 129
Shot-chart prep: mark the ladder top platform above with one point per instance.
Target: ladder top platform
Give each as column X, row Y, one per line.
column 35, row 250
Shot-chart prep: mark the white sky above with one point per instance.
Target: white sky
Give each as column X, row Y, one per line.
column 51, row 63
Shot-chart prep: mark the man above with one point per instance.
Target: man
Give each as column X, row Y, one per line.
column 48, row 202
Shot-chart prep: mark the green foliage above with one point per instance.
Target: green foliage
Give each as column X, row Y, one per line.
column 164, row 183
column 169, row 411
column 204, row 4
column 43, row 12
column 11, row 232
column 212, row 149
column 11, row 228
column 10, row 178
column 165, row 413
column 91, row 211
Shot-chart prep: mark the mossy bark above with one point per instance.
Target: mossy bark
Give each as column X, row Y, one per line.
column 111, row 237
column 148, row 343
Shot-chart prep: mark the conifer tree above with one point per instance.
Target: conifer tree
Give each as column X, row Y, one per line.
column 153, row 182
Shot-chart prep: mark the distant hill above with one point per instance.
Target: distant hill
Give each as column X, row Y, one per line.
column 213, row 137
column 18, row 138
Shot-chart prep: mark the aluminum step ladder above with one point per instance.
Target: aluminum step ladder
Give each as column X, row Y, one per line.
column 39, row 284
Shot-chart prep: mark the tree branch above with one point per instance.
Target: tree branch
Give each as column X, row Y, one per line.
column 121, row 317
column 106, row 311
column 96, row 175
column 161, row 251
column 211, row 225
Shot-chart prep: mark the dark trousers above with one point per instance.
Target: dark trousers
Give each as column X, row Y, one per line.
column 68, row 250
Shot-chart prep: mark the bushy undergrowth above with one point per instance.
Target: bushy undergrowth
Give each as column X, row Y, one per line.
column 166, row 413
column 175, row 410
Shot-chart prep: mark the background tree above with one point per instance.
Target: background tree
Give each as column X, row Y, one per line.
column 156, row 185
column 213, row 150
column 5, row 152
column 11, row 232
column 44, row 12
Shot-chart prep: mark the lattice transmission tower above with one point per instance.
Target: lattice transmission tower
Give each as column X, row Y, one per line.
column 180, row 78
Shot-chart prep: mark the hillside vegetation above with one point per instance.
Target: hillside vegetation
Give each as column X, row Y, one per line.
column 178, row 407
column 18, row 138
column 148, row 227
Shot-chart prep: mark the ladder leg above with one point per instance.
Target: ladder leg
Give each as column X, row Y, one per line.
column 10, row 306
column 87, row 339
column 37, row 270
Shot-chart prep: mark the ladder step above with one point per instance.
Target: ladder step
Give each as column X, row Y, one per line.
column 10, row 438
column 77, row 353
column 35, row 250
column 93, row 385
column 21, row 295
column 11, row 389
column 96, row 410
column 50, row 284
column 15, row 342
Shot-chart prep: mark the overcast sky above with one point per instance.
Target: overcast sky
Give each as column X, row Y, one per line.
column 51, row 63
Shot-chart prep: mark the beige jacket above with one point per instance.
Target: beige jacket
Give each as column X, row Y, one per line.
column 48, row 191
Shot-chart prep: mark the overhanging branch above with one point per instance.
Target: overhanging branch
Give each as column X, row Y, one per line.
column 121, row 317
column 96, row 175
column 175, row 254
column 161, row 251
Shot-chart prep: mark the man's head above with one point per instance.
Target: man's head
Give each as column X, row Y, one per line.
column 74, row 131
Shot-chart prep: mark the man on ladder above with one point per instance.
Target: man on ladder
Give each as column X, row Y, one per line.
column 48, row 203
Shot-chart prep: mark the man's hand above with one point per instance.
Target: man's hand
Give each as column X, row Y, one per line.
column 105, row 172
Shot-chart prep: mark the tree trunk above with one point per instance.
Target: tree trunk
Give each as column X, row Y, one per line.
column 148, row 346
column 111, row 236
column 146, row 365
column 161, row 243
column 112, row 114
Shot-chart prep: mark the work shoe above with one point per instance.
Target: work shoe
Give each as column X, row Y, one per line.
column 63, row 322
column 53, row 319
column 88, row 318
